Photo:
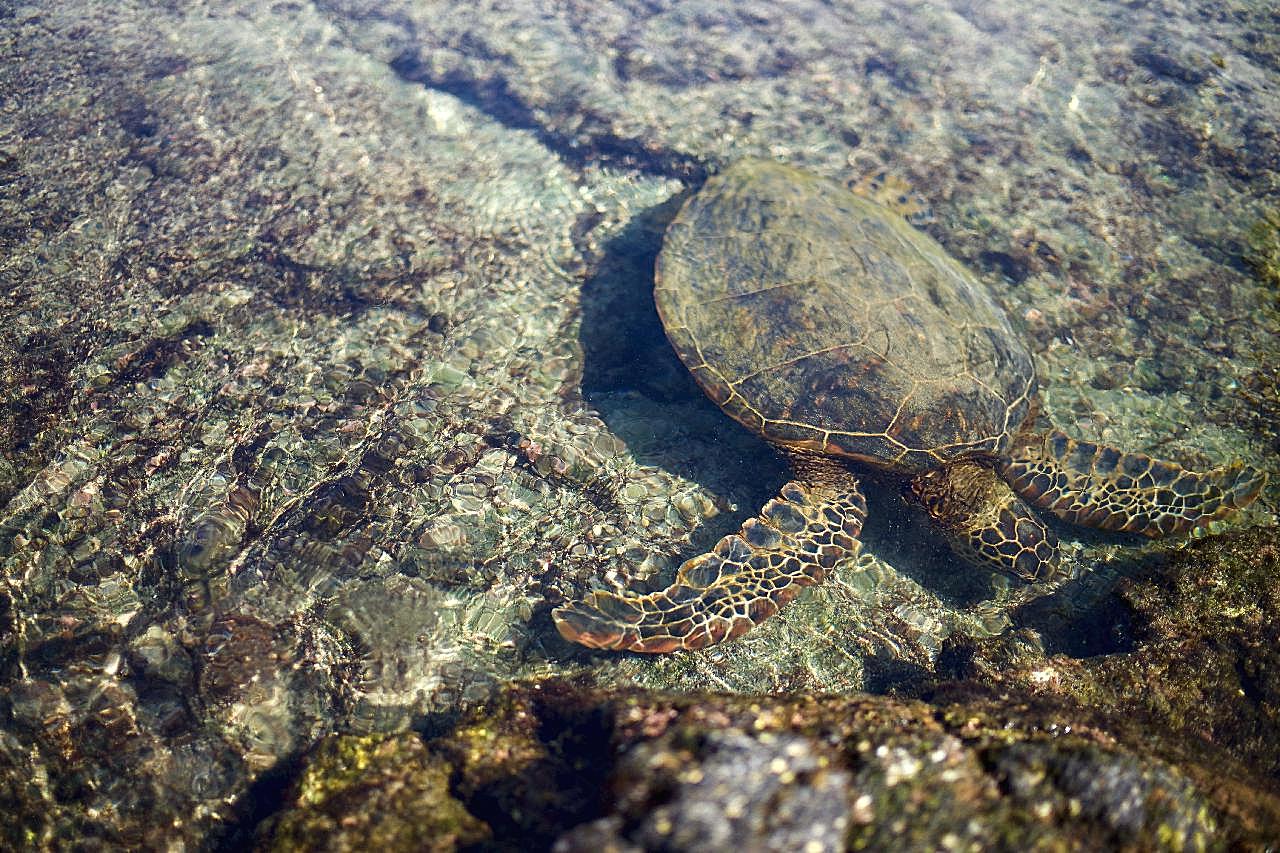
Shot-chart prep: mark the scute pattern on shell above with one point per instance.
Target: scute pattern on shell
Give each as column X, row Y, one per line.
column 823, row 322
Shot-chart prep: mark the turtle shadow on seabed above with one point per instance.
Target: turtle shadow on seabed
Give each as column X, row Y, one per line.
column 632, row 378
column 904, row 537
column 1078, row 615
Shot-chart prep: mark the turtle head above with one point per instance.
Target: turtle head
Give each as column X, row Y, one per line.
column 985, row 521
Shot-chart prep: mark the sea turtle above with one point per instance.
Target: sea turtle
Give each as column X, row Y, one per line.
column 855, row 344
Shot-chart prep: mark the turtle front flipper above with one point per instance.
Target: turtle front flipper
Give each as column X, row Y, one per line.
column 985, row 522
column 1097, row 486
column 742, row 581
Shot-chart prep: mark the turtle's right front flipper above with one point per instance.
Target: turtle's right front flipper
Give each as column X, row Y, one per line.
column 1097, row 486
column 744, row 580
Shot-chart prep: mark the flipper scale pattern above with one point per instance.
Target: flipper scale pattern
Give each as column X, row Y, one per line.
column 742, row 581
column 1101, row 487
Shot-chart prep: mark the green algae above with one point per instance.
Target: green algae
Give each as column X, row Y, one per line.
column 373, row 793
column 1263, row 249
column 1208, row 661
column 1208, row 649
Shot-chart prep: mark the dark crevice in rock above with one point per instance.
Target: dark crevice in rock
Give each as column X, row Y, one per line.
column 262, row 799
column 39, row 391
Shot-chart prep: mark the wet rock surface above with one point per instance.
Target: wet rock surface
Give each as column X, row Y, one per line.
column 718, row 790
column 1203, row 659
column 361, row 793
column 329, row 366
column 552, row 764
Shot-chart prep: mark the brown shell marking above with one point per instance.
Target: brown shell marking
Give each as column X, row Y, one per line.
column 823, row 322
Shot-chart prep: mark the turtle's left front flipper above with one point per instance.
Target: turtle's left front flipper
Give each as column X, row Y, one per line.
column 1097, row 486
column 717, row 596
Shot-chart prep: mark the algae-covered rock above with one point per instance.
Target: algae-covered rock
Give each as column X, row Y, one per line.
column 553, row 765
column 909, row 775
column 1207, row 655
column 528, row 767
column 1200, row 671
column 683, row 772
column 373, row 793
column 24, row 800
column 1202, row 650
column 723, row 790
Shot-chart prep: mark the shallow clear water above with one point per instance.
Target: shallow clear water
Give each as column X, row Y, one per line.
column 330, row 362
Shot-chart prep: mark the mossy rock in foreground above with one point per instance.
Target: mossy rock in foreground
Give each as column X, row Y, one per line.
column 373, row 793
column 557, row 765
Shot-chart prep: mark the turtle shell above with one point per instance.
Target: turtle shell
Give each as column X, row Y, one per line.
column 825, row 323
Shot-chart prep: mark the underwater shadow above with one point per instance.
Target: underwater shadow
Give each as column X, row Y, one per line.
column 633, row 379
column 1087, row 617
column 624, row 346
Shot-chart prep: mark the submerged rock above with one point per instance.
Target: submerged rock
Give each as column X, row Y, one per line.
column 1201, row 672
